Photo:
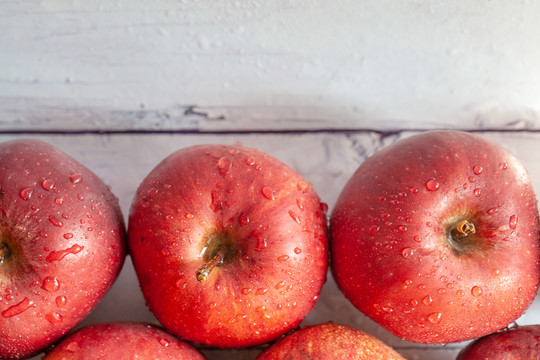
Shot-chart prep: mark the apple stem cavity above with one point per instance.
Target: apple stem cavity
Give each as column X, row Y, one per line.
column 204, row 271
column 461, row 239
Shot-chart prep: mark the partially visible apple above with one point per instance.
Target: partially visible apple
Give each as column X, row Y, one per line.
column 229, row 245
column 436, row 238
column 62, row 245
column 516, row 343
column 122, row 341
column 329, row 341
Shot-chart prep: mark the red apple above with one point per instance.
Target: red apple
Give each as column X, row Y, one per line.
column 329, row 342
column 229, row 245
column 122, row 341
column 61, row 245
column 516, row 343
column 436, row 238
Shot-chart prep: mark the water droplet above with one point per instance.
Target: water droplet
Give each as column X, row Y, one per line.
column 373, row 229
column 477, row 192
column 216, row 203
column 402, row 228
column 59, row 201
column 443, row 279
column 294, row 216
column 503, row 166
column 26, row 193
column 283, row 258
column 297, row 250
column 434, row 318
column 50, row 284
column 513, row 221
column 54, row 318
column 244, row 219
column 75, row 178
column 224, row 166
column 18, row 308
column 250, row 161
column 476, row 291
column 68, row 236
column 163, row 342
column 280, row 285
column 407, row 252
column 491, row 211
column 427, row 300
column 432, row 185
column 261, row 291
column 59, row 255
column 268, row 192
column 477, row 169
column 261, row 242
column 55, row 221
column 73, row 347
column 246, row 291
column 47, row 184
column 417, row 238
column 61, row 301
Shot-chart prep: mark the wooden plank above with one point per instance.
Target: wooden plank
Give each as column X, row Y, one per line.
column 269, row 65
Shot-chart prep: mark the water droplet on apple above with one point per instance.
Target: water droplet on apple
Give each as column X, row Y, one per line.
column 407, row 252
column 68, row 236
column 283, row 258
column 26, row 193
column 491, row 211
column 477, row 192
column 17, row 309
column 55, row 221
column 163, row 342
column 246, row 291
column 297, row 250
column 476, row 291
column 75, row 178
column 402, row 228
column 434, row 318
column 261, row 242
column 73, row 347
column 224, row 166
column 54, row 318
column 373, row 229
column 250, row 161
column 244, row 219
column 59, row 255
column 47, row 184
column 427, row 300
column 300, row 203
column 432, row 185
column 294, row 216
column 268, row 192
column 503, row 166
column 280, row 285
column 216, row 203
column 61, row 301
column 261, row 291
column 50, row 284
column 443, row 279
column 513, row 221
column 477, row 169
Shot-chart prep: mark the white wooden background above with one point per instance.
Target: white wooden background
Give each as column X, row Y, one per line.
column 319, row 84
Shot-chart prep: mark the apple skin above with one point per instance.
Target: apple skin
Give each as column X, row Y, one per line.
column 205, row 198
column 391, row 229
column 122, row 341
column 329, row 341
column 516, row 343
column 63, row 241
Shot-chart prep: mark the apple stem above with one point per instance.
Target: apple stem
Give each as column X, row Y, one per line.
column 3, row 252
column 204, row 271
column 465, row 228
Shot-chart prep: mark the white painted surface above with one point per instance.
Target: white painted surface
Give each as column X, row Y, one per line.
column 321, row 85
column 367, row 63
